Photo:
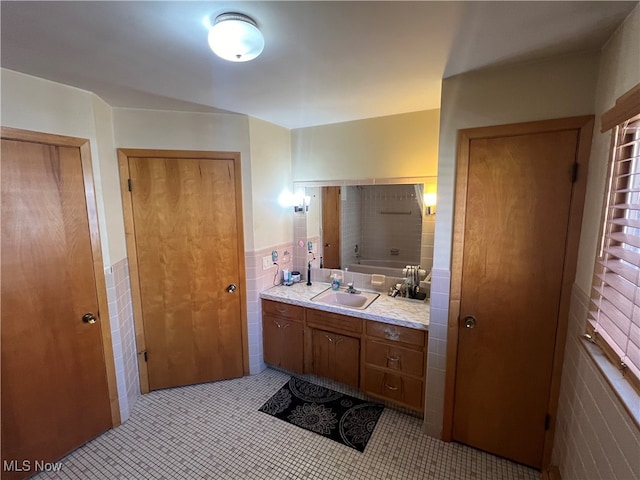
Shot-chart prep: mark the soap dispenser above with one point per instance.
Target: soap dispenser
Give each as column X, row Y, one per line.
column 335, row 282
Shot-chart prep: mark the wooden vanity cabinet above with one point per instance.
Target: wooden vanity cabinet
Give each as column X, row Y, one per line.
column 334, row 346
column 384, row 360
column 394, row 363
column 283, row 335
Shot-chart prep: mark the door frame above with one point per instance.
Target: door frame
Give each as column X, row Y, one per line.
column 84, row 147
column 584, row 125
column 130, row 236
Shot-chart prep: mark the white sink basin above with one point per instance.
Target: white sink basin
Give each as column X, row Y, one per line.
column 352, row 300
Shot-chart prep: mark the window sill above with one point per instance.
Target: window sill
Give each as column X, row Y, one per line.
column 627, row 395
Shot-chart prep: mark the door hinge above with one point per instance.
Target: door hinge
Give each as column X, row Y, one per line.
column 129, row 184
column 547, row 422
column 574, row 173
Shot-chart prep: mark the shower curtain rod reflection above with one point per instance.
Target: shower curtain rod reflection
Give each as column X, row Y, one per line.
column 386, row 212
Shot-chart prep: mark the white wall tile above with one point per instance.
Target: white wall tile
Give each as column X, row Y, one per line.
column 595, row 437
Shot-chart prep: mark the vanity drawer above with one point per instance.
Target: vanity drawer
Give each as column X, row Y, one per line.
column 394, row 357
column 397, row 333
column 280, row 309
column 397, row 388
column 333, row 321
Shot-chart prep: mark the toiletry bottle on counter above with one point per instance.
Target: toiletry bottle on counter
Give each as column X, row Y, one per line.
column 335, row 282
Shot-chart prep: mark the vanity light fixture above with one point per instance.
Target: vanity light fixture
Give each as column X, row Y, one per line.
column 235, row 37
column 430, row 203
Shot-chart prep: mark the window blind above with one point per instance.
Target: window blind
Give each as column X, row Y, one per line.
column 614, row 311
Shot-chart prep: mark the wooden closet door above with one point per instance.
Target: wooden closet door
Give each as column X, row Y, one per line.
column 519, row 195
column 187, row 237
column 54, row 385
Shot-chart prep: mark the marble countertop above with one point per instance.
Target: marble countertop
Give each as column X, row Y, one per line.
column 386, row 309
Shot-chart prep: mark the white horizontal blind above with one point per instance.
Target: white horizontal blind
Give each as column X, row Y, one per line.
column 614, row 313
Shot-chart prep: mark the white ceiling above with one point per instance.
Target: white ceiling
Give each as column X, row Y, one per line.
column 324, row 62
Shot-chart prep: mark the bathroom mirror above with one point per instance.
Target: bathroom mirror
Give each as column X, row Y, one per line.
column 372, row 228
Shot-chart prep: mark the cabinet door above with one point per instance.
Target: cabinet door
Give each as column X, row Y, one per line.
column 347, row 360
column 282, row 343
column 323, row 353
column 292, row 339
column 336, row 357
column 271, row 340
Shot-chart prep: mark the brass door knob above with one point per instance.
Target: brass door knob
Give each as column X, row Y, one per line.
column 89, row 318
column 470, row 321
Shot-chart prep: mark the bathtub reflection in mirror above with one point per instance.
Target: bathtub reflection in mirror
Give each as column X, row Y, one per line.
column 370, row 228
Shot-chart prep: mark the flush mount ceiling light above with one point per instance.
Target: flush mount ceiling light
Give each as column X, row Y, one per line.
column 235, row 37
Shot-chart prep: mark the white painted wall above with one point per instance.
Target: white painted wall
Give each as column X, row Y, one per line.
column 404, row 145
column 113, row 225
column 270, row 176
column 553, row 88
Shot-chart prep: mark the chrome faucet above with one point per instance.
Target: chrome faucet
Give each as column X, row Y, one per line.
column 350, row 288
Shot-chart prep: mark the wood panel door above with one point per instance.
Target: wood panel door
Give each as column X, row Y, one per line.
column 186, row 216
column 519, row 195
column 331, row 227
column 55, row 394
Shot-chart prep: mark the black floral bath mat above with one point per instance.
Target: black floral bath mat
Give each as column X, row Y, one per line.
column 337, row 416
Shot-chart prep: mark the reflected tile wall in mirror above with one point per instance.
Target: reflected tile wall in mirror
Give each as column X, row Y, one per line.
column 360, row 206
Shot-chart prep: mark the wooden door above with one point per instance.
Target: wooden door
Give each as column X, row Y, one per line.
column 519, row 196
column 189, row 261
column 331, row 227
column 55, row 395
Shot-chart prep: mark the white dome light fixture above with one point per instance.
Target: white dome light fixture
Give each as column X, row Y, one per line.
column 235, row 37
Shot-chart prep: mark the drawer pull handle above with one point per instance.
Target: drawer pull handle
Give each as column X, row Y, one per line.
column 391, row 333
column 390, row 387
column 329, row 338
column 277, row 324
column 281, row 309
column 286, row 325
column 393, row 359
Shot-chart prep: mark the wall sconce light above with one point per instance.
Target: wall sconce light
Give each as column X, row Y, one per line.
column 302, row 204
column 286, row 199
column 430, row 203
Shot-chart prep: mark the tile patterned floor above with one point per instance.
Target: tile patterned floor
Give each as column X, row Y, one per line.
column 215, row 431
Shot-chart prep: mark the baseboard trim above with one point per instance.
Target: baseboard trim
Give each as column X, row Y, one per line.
column 551, row 473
